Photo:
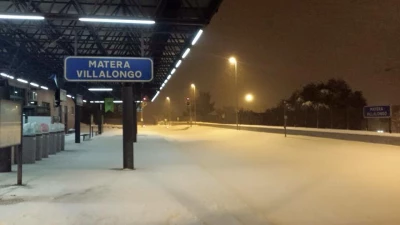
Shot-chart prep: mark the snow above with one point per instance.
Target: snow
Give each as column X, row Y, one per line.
column 205, row 175
column 322, row 130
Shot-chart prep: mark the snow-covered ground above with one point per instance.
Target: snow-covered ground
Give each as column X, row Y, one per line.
column 205, row 175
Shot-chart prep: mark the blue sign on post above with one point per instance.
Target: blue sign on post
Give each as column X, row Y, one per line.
column 383, row 111
column 108, row 69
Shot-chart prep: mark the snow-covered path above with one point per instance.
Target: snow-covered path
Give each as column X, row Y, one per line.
column 205, row 175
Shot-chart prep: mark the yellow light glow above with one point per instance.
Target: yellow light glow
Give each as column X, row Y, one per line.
column 192, row 85
column 167, row 98
column 232, row 60
column 249, row 98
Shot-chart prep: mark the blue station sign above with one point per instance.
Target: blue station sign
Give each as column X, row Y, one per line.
column 108, row 69
column 383, row 111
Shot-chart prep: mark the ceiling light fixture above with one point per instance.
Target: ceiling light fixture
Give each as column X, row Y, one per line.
column 155, row 96
column 22, row 80
column 109, row 20
column 197, row 37
column 34, row 84
column 178, row 63
column 100, row 89
column 7, row 76
column 185, row 53
column 20, row 17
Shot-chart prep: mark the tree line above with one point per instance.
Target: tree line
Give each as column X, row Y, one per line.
column 332, row 104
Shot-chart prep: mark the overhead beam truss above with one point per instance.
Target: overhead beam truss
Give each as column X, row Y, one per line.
column 36, row 49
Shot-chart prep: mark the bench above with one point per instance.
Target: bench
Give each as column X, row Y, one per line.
column 85, row 136
column 94, row 132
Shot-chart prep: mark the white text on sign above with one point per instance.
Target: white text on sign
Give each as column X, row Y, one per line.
column 113, row 64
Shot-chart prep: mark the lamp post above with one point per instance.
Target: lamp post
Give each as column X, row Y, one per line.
column 232, row 60
column 194, row 102
column 143, row 104
column 169, row 109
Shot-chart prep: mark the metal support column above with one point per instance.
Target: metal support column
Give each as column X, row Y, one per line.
column 19, row 162
column 19, row 155
column 77, row 122
column 135, row 123
column 99, row 119
column 77, row 108
column 127, row 124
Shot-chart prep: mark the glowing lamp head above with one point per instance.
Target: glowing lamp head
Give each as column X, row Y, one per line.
column 232, row 60
column 249, row 98
column 193, row 86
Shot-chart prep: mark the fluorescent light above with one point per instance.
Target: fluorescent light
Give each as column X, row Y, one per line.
column 161, row 88
column 173, row 71
column 163, row 85
column 73, row 97
column 109, row 20
column 169, row 77
column 198, row 35
column 32, row 102
column 69, row 96
column 117, row 101
column 178, row 63
column 91, row 101
column 34, row 84
column 44, row 87
column 20, row 17
column 84, row 100
column 15, row 92
column 6, row 75
column 100, row 89
column 185, row 53
column 155, row 96
column 138, row 101
column 22, row 80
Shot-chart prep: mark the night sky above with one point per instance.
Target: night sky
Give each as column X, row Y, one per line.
column 282, row 45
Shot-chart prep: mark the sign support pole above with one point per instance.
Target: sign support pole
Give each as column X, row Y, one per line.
column 135, row 123
column 19, row 155
column 99, row 113
column 77, row 107
column 77, row 119
column 128, row 123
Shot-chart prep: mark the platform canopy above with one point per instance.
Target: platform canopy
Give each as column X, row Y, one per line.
column 34, row 50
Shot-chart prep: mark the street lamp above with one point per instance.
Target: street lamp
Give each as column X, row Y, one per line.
column 232, row 60
column 194, row 101
column 169, row 109
column 249, row 98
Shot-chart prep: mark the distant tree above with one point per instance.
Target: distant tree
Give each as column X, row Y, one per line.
column 328, row 103
column 204, row 106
